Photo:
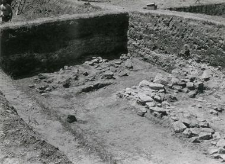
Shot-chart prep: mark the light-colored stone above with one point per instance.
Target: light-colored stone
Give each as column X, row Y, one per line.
column 159, row 78
column 179, row 127
column 206, row 75
column 213, row 151
column 208, row 130
column 141, row 112
column 205, row 136
column 144, row 98
column 151, row 104
column 221, row 143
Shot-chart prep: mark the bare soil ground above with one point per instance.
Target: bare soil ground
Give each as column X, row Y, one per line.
column 20, row 144
column 109, row 124
column 112, row 126
column 34, row 9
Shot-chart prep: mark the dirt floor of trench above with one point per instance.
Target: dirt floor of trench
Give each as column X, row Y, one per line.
column 112, row 125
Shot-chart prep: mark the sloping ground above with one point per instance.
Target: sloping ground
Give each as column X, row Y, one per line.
column 19, row 144
column 33, row 9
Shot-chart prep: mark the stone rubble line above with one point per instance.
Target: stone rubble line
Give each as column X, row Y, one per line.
column 152, row 96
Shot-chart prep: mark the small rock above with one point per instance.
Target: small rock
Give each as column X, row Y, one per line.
column 108, row 75
column 156, row 86
column 221, row 151
column 205, row 136
column 222, row 156
column 221, row 143
column 174, row 81
column 141, row 112
column 170, row 98
column 190, row 85
column 160, row 79
column 195, row 140
column 177, row 87
column 31, row 86
column 157, row 114
column 147, row 84
column 158, row 109
column 179, row 127
column 123, row 73
column 212, row 111
column 151, row 104
column 204, row 124
column 192, row 94
column 216, row 135
column 206, row 75
column 208, row 130
column 66, row 83
column 195, row 131
column 157, row 98
column 71, row 118
column 144, row 98
column 187, row 133
column 128, row 64
column 213, row 151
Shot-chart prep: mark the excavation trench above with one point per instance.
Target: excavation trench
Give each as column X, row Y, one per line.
column 107, row 127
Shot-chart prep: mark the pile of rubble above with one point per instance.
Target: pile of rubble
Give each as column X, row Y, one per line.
column 158, row 96
column 93, row 74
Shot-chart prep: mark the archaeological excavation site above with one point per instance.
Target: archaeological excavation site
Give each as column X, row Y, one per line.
column 113, row 82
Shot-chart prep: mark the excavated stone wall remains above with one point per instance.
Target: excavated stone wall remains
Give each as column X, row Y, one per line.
column 48, row 44
column 177, row 33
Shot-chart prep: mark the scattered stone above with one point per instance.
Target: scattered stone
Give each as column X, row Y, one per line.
column 150, row 104
column 192, row 94
column 31, row 86
column 41, row 76
column 66, row 83
column 222, row 156
column 204, row 124
column 128, row 64
column 156, row 86
column 108, row 75
column 216, row 135
column 212, row 111
column 123, row 73
column 195, row 131
column 195, row 140
column 190, row 85
column 157, row 98
column 205, row 136
column 206, row 75
column 141, row 112
column 174, row 81
column 71, row 118
column 221, row 143
column 221, row 151
column 208, row 130
column 177, row 87
column 179, row 127
column 144, row 98
column 157, row 114
column 170, row 98
column 213, row 151
column 187, row 133
column 147, row 84
column 160, row 79
column 158, row 109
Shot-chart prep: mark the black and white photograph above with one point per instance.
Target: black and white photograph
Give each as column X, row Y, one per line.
column 112, row 81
